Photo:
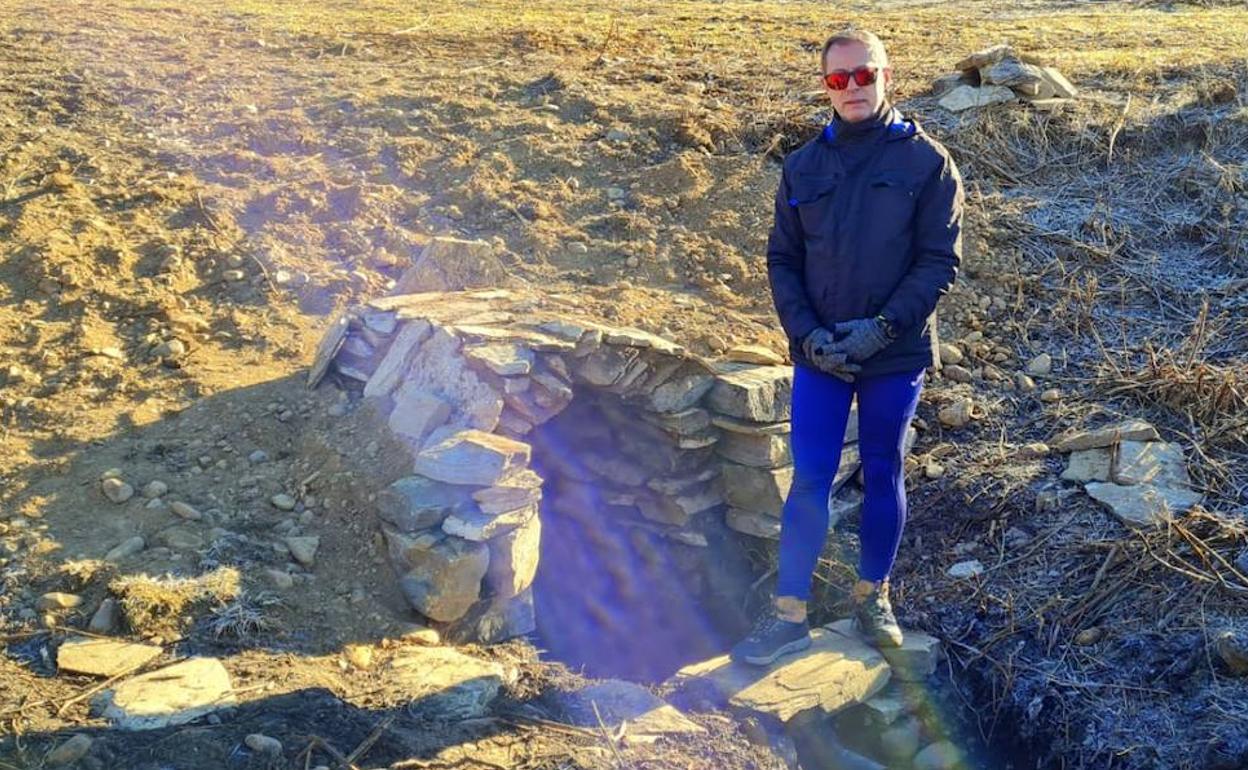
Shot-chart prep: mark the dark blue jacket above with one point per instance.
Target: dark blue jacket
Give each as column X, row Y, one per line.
column 881, row 235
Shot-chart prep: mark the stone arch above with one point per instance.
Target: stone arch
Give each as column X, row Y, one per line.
column 467, row 380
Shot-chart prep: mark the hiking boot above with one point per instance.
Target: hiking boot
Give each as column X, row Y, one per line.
column 873, row 614
column 771, row 637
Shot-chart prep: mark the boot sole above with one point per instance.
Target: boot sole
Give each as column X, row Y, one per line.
column 796, row 645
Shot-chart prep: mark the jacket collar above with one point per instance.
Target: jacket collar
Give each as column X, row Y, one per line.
column 897, row 127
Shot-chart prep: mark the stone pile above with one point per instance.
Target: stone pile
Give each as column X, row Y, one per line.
column 1125, row 466
column 462, row 379
column 998, row 75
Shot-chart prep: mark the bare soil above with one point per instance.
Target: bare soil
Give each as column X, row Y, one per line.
column 227, row 177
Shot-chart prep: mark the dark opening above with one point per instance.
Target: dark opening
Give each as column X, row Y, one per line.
column 618, row 592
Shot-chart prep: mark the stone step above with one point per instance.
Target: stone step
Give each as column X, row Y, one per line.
column 834, row 673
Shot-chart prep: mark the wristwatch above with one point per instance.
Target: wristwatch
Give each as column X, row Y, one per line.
column 888, row 325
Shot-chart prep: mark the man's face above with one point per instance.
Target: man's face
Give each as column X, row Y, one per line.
column 856, row 102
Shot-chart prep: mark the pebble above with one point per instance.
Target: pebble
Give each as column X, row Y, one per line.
column 1089, row 636
column 1033, row 451
column 933, row 470
column 1051, row 396
column 106, row 618
column 111, row 473
column 116, row 490
column 1016, row 538
column 965, row 569
column 632, row 261
column 281, row 579
column 336, row 410
column 263, row 744
column 155, row 489
column 419, row 634
column 951, row 354
column 185, row 510
column 939, row 756
column 303, row 548
column 1040, row 365
column 169, row 349
column 576, row 247
column 258, row 456
column 615, row 193
column 1233, row 649
column 234, row 275
column 126, row 548
column 1024, row 383
column 69, row 752
column 957, row 414
column 283, row 502
column 957, row 373
column 57, row 601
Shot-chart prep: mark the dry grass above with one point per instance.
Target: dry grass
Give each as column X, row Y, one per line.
column 166, row 606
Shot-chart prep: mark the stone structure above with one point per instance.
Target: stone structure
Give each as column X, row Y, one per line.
column 661, row 440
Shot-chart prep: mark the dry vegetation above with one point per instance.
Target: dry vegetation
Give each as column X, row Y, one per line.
column 316, row 147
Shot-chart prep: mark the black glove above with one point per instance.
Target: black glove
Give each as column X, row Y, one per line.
column 819, row 347
column 861, row 338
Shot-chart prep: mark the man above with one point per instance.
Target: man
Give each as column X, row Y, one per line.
column 866, row 239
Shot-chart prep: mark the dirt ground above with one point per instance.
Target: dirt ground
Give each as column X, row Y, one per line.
column 188, row 192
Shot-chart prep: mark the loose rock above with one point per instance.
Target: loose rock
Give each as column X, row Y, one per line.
column 1040, row 365
column 116, row 490
column 126, row 548
column 185, row 510
column 303, row 549
column 965, row 569
column 155, row 489
column 283, row 502
column 57, row 601
column 69, row 752
column 263, row 744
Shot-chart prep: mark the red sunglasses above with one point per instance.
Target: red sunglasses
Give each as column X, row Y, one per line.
column 839, row 80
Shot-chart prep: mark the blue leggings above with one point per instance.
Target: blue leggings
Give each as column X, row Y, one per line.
column 821, row 404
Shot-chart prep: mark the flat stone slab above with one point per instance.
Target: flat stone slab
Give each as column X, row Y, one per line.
column 1143, row 505
column 1151, row 462
column 417, row 414
column 761, row 450
column 415, row 502
column 834, row 673
column 756, row 393
column 913, row 661
column 103, row 657
column 397, row 359
column 969, row 97
column 618, row 702
column 444, row 684
column 1129, row 430
column 328, row 347
column 1088, row 465
column 472, row 457
column 503, row 358
column 756, row 489
column 170, row 696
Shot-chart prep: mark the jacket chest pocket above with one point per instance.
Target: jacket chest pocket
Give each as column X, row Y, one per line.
column 813, row 198
column 891, row 197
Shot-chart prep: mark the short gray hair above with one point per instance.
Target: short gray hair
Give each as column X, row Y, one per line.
column 874, row 45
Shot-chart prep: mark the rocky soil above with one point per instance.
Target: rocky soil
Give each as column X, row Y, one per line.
column 189, row 194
